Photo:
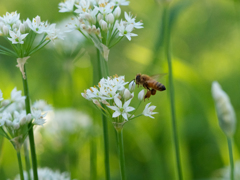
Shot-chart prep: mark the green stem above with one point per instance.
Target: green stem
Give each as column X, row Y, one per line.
column 231, row 157
column 106, row 147
column 27, row 160
column 20, row 165
column 172, row 100
column 93, row 158
column 121, row 153
column 30, row 132
column 103, row 72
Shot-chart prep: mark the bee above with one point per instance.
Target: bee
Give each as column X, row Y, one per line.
column 149, row 83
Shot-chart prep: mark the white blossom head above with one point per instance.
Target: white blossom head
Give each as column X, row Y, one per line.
column 46, row 174
column 225, row 111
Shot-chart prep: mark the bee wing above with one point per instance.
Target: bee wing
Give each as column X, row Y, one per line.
column 157, row 76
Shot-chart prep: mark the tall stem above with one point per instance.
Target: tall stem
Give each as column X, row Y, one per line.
column 172, row 100
column 27, row 160
column 103, row 71
column 121, row 153
column 20, row 165
column 30, row 132
column 93, row 158
column 231, row 157
column 106, row 147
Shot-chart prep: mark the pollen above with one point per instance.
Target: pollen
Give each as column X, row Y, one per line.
column 91, row 89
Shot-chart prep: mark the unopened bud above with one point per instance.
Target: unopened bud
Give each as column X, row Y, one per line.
column 6, row 102
column 16, row 125
column 127, row 95
column 22, row 28
column 103, row 25
column 29, row 117
column 83, row 26
column 23, row 121
column 99, row 17
column 110, row 18
column 38, row 19
column 225, row 111
column 131, row 86
column 5, row 30
column 117, row 12
column 141, row 95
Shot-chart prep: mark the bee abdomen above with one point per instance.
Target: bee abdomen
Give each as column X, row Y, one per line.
column 160, row 86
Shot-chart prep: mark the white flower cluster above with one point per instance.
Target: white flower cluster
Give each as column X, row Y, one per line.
column 111, row 93
column 14, row 120
column 225, row 111
column 47, row 174
column 100, row 21
column 16, row 30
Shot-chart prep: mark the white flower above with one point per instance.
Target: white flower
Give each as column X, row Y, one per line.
column 16, row 96
column 46, row 174
column 131, row 20
column 83, row 6
column 225, row 111
column 38, row 117
column 36, row 25
column 141, row 95
column 10, row 18
column 17, row 37
column 120, row 2
column 126, row 30
column 66, row 6
column 121, row 109
column 1, row 95
column 53, row 33
column 41, row 105
column 148, row 111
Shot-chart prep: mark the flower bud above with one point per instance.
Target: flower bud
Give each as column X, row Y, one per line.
column 103, row 25
column 29, row 117
column 23, row 121
column 132, row 86
column 8, row 123
column 141, row 95
column 6, row 102
column 110, row 18
column 38, row 19
column 99, row 17
column 1, row 25
column 88, row 16
column 26, row 26
column 94, row 28
column 117, row 12
column 5, row 30
column 225, row 111
column 83, row 26
column 127, row 95
column 16, row 125
column 14, row 26
column 22, row 28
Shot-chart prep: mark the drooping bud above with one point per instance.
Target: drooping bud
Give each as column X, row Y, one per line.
column 117, row 12
column 110, row 18
column 141, row 95
column 225, row 111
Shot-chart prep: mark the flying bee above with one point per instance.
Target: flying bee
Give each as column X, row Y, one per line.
column 149, row 83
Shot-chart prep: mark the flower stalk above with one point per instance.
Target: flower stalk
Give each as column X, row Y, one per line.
column 172, row 98
column 30, row 132
column 121, row 152
column 20, row 165
column 103, row 69
column 27, row 160
column 229, row 139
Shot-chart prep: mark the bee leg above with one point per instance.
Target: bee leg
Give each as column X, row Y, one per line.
column 146, row 86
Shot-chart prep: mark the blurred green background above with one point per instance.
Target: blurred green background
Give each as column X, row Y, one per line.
column 205, row 45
